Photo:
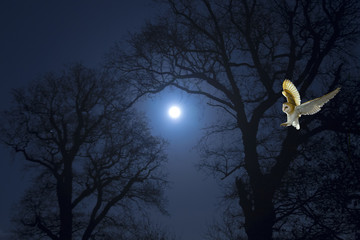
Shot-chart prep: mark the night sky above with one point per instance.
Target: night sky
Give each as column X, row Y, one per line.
column 42, row 36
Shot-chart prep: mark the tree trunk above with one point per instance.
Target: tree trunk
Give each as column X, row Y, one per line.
column 64, row 192
column 258, row 210
column 256, row 196
column 258, row 225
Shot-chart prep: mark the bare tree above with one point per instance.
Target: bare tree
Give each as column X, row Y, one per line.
column 96, row 163
column 236, row 54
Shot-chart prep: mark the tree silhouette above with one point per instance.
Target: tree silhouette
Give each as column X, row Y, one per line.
column 236, row 54
column 96, row 163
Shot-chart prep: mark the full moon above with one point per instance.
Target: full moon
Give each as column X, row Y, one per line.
column 174, row 112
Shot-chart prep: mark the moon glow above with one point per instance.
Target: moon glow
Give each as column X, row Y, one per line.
column 174, row 112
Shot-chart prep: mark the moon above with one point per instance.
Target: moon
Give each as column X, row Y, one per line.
column 174, row 112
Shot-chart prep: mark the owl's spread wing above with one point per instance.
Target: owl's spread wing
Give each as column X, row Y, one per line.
column 314, row 106
column 291, row 93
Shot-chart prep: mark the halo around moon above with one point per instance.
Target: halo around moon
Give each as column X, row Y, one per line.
column 174, row 112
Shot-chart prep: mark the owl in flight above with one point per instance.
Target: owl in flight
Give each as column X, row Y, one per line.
column 293, row 107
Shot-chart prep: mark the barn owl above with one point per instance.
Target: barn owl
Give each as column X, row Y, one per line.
column 293, row 107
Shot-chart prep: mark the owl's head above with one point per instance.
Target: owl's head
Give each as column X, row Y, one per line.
column 288, row 107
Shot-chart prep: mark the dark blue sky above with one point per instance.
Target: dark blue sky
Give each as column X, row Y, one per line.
column 41, row 36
